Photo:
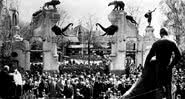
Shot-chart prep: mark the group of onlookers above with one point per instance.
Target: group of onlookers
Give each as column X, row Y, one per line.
column 178, row 84
column 84, row 85
column 78, row 86
column 80, row 67
column 11, row 83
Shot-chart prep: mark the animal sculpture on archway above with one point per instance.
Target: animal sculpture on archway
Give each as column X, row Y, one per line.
column 37, row 13
column 118, row 5
column 51, row 3
column 131, row 19
column 109, row 30
column 58, row 31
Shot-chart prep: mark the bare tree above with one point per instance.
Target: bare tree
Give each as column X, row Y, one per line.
column 64, row 16
column 89, row 23
column 25, row 30
column 1, row 5
column 175, row 12
column 135, row 11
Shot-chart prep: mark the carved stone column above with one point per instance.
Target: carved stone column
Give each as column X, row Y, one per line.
column 118, row 44
column 148, row 40
column 49, row 45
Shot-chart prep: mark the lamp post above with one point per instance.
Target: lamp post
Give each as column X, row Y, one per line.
column 89, row 48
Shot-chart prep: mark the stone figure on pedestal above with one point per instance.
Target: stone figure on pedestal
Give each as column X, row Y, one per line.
column 125, row 28
column 51, row 3
column 118, row 5
column 148, row 15
column 131, row 19
column 45, row 29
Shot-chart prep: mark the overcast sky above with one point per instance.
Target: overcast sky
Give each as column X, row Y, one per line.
column 78, row 9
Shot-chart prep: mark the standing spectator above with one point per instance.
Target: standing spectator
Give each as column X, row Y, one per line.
column 86, row 91
column 43, row 86
column 122, row 88
column 174, row 89
column 68, row 90
column 18, row 82
column 183, row 92
column 98, row 86
column 140, row 68
column 4, row 76
column 52, row 88
column 78, row 94
column 5, row 83
column 60, row 89
column 178, row 89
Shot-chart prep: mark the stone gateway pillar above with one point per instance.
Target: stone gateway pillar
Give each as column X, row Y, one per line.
column 50, row 56
column 118, row 45
column 42, row 33
column 148, row 40
column 127, row 32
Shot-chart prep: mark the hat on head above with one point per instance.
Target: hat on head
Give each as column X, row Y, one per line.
column 163, row 31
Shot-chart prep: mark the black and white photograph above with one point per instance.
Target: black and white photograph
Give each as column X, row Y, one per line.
column 92, row 49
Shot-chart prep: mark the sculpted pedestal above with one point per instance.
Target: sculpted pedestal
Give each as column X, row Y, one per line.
column 118, row 45
column 50, row 58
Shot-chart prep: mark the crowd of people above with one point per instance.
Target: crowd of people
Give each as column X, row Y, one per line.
column 80, row 67
column 178, row 84
column 52, row 85
column 75, row 85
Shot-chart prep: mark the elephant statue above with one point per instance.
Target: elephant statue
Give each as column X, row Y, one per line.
column 58, row 31
column 118, row 5
column 131, row 19
column 51, row 3
column 37, row 13
column 109, row 30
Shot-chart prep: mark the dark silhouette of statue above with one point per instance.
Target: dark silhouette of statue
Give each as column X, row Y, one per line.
column 164, row 49
column 118, row 5
column 131, row 19
column 58, row 31
column 37, row 13
column 15, row 15
column 109, row 30
column 51, row 3
column 148, row 15
column 157, row 72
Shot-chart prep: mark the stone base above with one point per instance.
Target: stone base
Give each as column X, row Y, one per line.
column 118, row 72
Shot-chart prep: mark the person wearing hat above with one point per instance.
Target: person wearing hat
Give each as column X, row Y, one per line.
column 4, row 83
column 167, row 55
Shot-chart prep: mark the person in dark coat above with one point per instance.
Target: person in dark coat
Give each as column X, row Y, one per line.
column 42, row 87
column 98, row 88
column 68, row 90
column 52, row 88
column 7, row 86
column 86, row 91
column 122, row 88
column 60, row 89
column 167, row 54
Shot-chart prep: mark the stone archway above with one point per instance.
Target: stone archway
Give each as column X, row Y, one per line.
column 36, row 50
column 18, row 55
column 131, row 50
